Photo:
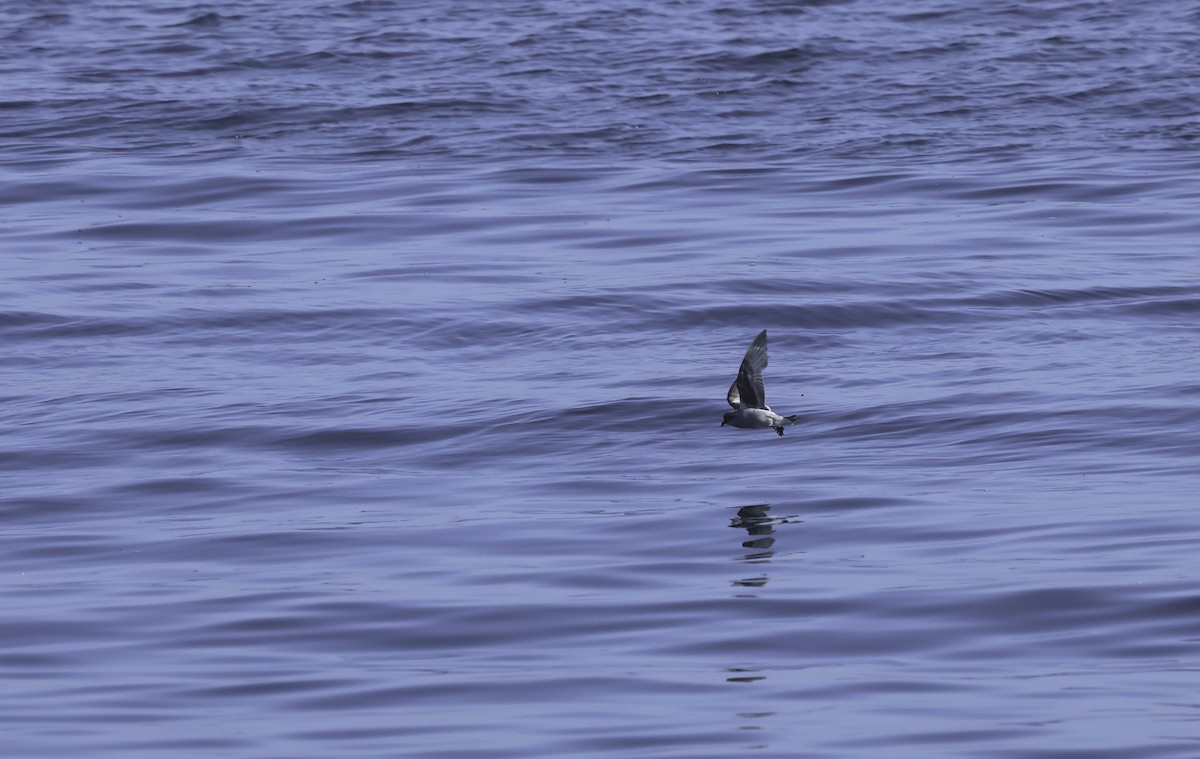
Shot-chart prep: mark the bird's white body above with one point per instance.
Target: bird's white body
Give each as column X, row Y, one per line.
column 756, row 418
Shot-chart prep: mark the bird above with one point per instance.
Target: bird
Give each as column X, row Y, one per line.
column 747, row 396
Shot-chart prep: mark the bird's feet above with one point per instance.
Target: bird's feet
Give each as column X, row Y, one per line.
column 780, row 431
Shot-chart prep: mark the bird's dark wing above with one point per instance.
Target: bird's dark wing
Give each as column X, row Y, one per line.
column 747, row 390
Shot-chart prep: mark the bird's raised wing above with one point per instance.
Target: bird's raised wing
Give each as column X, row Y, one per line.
column 747, row 390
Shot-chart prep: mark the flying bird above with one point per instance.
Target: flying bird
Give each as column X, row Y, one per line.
column 747, row 396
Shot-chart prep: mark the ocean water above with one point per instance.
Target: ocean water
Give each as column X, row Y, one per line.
column 364, row 364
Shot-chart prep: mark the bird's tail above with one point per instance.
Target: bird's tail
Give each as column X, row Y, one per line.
column 792, row 419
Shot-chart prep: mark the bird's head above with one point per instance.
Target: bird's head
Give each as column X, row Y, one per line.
column 728, row 419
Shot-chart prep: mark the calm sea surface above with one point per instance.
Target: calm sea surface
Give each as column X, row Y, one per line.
column 363, row 366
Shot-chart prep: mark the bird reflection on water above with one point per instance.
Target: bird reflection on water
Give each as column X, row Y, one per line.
column 758, row 523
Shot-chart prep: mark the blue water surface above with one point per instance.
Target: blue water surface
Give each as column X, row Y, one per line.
column 364, row 365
